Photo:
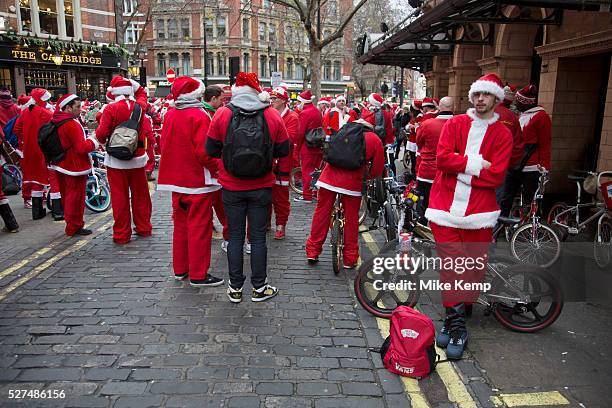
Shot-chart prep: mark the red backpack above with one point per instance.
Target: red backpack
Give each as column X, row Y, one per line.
column 409, row 350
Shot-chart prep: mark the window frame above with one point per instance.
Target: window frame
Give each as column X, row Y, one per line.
column 35, row 27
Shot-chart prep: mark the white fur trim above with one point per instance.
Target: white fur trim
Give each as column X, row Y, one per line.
column 4, row 201
column 425, row 180
column 299, row 98
column 209, row 180
column 417, row 152
column 37, row 193
column 187, row 190
column 55, row 196
column 526, row 116
column 412, row 147
column 488, row 87
column 123, row 90
column 46, row 96
column 194, row 94
column 365, row 123
column 474, row 164
column 135, row 163
column 68, row 172
column 469, row 222
column 135, row 85
column 95, row 142
column 533, row 167
column 237, row 90
column 66, row 101
column 340, row 190
column 444, row 117
column 285, row 111
column 264, row 96
column 472, row 114
column 281, row 183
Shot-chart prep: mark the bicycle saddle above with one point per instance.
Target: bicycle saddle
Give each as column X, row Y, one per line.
column 509, row 220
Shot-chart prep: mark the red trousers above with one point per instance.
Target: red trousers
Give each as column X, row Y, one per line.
column 309, row 163
column 38, row 190
column 150, row 166
column 217, row 203
column 320, row 225
column 463, row 254
column 122, row 182
column 192, row 215
column 280, row 204
column 73, row 201
column 26, row 191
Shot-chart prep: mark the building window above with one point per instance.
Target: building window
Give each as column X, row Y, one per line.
column 332, row 8
column 131, row 34
column 273, row 66
column 221, row 27
column 161, row 64
column 272, row 33
column 209, row 63
column 336, row 71
column 246, row 62
column 69, row 17
column 174, row 62
column 209, row 28
column 172, row 29
column 129, row 7
column 185, row 31
column 289, row 68
column 25, row 11
column 327, row 71
column 161, row 29
column 262, row 31
column 246, row 32
column 186, row 63
column 263, row 66
column 221, row 64
column 47, row 15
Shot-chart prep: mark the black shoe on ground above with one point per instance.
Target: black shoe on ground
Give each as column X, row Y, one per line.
column 312, row 261
column 181, row 277
column 83, row 231
column 209, row 281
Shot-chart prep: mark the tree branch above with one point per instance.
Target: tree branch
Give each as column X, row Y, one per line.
column 340, row 30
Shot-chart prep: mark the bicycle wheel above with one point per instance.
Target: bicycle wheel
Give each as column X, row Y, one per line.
column 602, row 245
column 406, row 160
column 363, row 209
column 566, row 219
column 295, row 180
column 379, row 300
column 536, row 244
column 336, row 245
column 97, row 201
column 527, row 300
column 390, row 223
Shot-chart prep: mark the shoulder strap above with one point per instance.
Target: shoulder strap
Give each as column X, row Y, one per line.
column 61, row 122
column 136, row 113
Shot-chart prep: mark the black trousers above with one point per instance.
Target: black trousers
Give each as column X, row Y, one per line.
column 526, row 182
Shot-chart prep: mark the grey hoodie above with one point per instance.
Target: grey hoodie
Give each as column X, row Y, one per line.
column 248, row 102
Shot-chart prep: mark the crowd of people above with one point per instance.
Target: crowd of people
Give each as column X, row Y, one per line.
column 233, row 158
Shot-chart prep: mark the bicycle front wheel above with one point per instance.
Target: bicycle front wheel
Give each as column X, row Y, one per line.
column 295, row 180
column 536, row 244
column 97, row 201
column 390, row 223
column 602, row 246
column 336, row 246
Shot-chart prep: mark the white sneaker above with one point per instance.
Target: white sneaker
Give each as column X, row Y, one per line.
column 234, row 295
column 247, row 247
column 224, row 245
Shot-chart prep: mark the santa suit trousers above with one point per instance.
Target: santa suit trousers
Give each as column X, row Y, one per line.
column 38, row 190
column 122, row 182
column 280, row 204
column 320, row 225
column 72, row 189
column 192, row 215
column 463, row 254
column 217, row 203
column 309, row 163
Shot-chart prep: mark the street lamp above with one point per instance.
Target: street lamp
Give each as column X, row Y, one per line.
column 134, row 71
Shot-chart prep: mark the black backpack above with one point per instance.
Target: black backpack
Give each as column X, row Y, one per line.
column 49, row 142
column 247, row 149
column 380, row 128
column 347, row 149
column 315, row 137
column 10, row 184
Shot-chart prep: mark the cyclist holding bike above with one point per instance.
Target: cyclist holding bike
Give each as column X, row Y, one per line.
column 335, row 180
column 472, row 157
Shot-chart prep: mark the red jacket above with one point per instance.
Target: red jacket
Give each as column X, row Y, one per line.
column 310, row 118
column 8, row 113
column 463, row 193
column 350, row 182
column 389, row 129
column 427, row 138
column 184, row 166
column 116, row 113
column 26, row 128
column 282, row 166
column 537, row 129
column 508, row 118
column 334, row 119
column 77, row 161
column 216, row 138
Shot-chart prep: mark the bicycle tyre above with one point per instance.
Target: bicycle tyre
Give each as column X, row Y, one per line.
column 390, row 223
column 97, row 203
column 524, row 233
column 363, row 209
column 336, row 246
column 295, row 180
column 406, row 160
column 556, row 209
column 363, row 287
column 505, row 314
column 602, row 245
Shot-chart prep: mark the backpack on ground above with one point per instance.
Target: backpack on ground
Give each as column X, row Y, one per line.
column 315, row 137
column 347, row 148
column 123, row 142
column 10, row 184
column 409, row 350
column 247, row 149
column 49, row 142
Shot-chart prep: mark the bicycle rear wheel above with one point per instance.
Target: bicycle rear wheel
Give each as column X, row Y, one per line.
column 541, row 298
column 390, row 223
column 295, row 180
column 406, row 160
column 536, row 244
column 602, row 246
column 565, row 219
column 336, row 241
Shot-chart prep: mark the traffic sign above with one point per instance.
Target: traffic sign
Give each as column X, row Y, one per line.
column 170, row 74
column 276, row 79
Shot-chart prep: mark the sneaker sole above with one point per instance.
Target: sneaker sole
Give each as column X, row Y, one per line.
column 204, row 285
column 180, row 278
column 263, row 299
column 234, row 300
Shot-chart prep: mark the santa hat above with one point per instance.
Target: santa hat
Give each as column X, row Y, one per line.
column 416, row 104
column 280, row 93
column 187, row 88
column 65, row 100
column 509, row 92
column 489, row 83
column 323, row 101
column 375, row 100
column 527, row 95
column 306, row 96
column 110, row 97
column 428, row 102
column 40, row 96
column 23, row 100
column 122, row 86
column 340, row 98
column 284, row 85
column 367, row 119
column 170, row 101
column 248, row 83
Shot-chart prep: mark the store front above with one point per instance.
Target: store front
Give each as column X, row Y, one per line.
column 86, row 74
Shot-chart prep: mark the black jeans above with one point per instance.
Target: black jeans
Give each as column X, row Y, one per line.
column 425, row 189
column 512, row 186
column 254, row 205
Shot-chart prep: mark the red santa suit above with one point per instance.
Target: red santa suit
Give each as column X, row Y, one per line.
column 150, row 145
column 186, row 170
column 462, row 206
column 73, row 170
column 420, row 120
column 310, row 158
column 537, row 129
column 333, row 181
column 127, row 177
column 8, row 109
column 511, row 121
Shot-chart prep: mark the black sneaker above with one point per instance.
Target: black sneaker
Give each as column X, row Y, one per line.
column 209, row 281
column 83, row 231
column 313, row 261
column 181, row 277
column 234, row 295
column 264, row 293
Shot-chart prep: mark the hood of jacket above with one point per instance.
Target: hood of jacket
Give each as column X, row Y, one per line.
column 248, row 102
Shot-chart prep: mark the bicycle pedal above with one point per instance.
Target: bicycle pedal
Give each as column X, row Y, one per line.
column 572, row 231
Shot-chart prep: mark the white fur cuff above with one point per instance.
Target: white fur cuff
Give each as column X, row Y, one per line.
column 95, row 142
column 474, row 165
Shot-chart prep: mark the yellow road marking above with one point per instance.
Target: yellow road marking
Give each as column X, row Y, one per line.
column 40, row 268
column 457, row 392
column 530, row 399
column 370, row 242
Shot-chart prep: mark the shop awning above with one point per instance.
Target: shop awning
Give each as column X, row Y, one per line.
column 162, row 91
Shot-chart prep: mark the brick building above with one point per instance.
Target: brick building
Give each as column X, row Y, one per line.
column 62, row 45
column 199, row 39
column 565, row 51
